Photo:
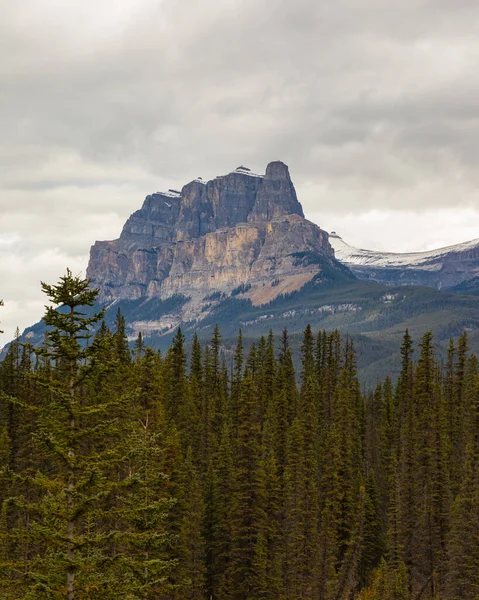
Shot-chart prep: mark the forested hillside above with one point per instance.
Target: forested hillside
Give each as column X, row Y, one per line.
column 150, row 476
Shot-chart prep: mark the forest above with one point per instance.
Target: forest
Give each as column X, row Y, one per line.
column 208, row 475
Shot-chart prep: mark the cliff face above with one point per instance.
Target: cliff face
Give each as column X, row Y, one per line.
column 239, row 228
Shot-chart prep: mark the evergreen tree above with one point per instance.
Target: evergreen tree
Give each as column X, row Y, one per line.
column 405, row 505
column 142, row 547
column 300, row 530
column 180, row 406
column 220, row 513
column 122, row 349
column 463, row 550
column 207, row 418
column 63, row 550
column 139, row 346
column 236, row 381
column 191, row 543
column 197, row 386
column 248, row 501
column 301, row 476
column 430, row 470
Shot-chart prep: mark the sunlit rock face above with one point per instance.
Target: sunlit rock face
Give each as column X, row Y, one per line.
column 238, row 229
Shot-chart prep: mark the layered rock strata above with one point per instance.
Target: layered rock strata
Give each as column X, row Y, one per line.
column 238, row 229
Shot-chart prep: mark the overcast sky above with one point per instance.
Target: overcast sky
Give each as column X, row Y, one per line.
column 374, row 105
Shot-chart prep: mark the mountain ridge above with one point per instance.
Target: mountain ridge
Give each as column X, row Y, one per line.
column 443, row 268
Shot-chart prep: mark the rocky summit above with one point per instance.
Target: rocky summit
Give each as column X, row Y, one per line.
column 240, row 233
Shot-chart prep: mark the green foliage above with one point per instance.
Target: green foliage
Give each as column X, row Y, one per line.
column 230, row 473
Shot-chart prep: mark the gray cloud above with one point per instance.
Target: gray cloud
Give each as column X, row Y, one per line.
column 373, row 104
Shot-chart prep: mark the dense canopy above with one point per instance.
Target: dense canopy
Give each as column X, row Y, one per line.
column 204, row 474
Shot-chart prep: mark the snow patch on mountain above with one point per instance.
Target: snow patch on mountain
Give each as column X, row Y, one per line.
column 372, row 258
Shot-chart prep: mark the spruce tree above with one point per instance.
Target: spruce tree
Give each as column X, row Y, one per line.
column 191, row 543
column 220, row 516
column 302, row 508
column 236, row 380
column 462, row 579
column 145, row 504
column 180, row 405
column 120, row 339
column 70, row 486
column 248, row 501
column 431, row 483
column 404, row 486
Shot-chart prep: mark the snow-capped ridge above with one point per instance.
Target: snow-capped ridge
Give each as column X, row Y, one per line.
column 362, row 257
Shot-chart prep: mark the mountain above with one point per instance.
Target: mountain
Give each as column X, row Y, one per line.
column 454, row 268
column 237, row 251
column 240, row 234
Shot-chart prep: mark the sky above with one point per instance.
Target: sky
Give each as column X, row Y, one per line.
column 373, row 104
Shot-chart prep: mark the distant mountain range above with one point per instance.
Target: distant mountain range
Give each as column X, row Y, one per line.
column 453, row 268
column 237, row 251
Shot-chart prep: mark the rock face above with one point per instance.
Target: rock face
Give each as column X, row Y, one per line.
column 239, row 229
column 449, row 268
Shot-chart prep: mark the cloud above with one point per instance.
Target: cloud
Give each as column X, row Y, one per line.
column 373, row 104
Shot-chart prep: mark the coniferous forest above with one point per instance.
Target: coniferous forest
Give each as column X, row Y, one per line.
column 131, row 474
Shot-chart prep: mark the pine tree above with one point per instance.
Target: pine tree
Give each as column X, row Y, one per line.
column 269, row 550
column 287, row 379
column 342, row 498
column 180, row 406
column 215, row 384
column 300, row 529
column 69, row 488
column 430, row 470
column 150, row 388
column 405, row 502
column 301, row 476
column 248, row 502
column 173, row 467
column 142, row 547
column 266, row 378
column 463, row 547
column 191, row 543
column 207, row 418
column 220, row 507
column 197, row 386
column 120, row 339
column 236, row 381
column 373, row 542
column 139, row 346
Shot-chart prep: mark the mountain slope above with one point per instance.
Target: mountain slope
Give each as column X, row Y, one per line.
column 444, row 268
column 240, row 233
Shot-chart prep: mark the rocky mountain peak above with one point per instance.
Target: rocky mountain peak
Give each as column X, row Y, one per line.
column 239, row 229
column 277, row 170
column 276, row 196
column 203, row 207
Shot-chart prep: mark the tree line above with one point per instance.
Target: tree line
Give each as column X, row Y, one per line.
column 136, row 475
